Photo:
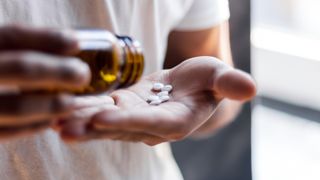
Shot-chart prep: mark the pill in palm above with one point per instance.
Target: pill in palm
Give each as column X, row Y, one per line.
column 167, row 88
column 156, row 102
column 164, row 98
column 157, row 86
column 153, row 98
column 161, row 96
column 163, row 93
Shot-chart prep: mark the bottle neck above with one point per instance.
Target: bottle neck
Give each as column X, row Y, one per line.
column 133, row 60
column 126, row 53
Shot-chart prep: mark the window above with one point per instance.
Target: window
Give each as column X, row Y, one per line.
column 285, row 40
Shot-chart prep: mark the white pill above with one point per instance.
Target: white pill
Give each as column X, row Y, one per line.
column 164, row 98
column 156, row 102
column 157, row 86
column 153, row 98
column 167, row 88
column 163, row 93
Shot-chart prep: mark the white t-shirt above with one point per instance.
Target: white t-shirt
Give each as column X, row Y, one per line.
column 45, row 156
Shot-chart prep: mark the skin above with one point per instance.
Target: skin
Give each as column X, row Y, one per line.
column 124, row 114
column 209, row 100
column 131, row 118
column 213, row 42
column 34, row 59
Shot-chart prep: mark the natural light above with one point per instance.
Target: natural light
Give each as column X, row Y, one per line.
column 285, row 42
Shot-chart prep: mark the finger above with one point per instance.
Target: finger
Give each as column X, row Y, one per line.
column 127, row 136
column 94, row 134
column 213, row 74
column 36, row 70
column 228, row 82
column 16, row 37
column 24, row 130
column 235, row 85
column 86, row 107
column 75, row 125
column 93, row 101
column 28, row 109
column 153, row 120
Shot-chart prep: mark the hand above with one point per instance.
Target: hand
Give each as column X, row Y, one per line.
column 199, row 85
column 33, row 59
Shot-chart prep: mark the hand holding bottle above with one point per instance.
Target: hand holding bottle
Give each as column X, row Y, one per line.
column 33, row 59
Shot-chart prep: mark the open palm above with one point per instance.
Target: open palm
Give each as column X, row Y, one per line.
column 199, row 84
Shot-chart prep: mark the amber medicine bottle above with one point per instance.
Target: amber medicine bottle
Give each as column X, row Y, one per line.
column 115, row 61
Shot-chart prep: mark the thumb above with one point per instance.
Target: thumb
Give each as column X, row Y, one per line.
column 209, row 73
column 234, row 84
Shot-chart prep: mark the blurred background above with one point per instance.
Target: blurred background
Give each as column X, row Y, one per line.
column 277, row 137
column 285, row 39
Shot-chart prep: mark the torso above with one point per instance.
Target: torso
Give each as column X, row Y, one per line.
column 45, row 156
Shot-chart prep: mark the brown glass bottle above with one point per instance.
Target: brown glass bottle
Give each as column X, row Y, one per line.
column 115, row 61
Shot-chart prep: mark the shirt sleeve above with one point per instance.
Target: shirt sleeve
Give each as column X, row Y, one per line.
column 204, row 14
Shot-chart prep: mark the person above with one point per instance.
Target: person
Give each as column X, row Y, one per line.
column 118, row 135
